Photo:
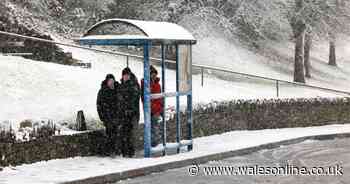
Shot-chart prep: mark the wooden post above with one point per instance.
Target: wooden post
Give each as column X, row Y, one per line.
column 81, row 123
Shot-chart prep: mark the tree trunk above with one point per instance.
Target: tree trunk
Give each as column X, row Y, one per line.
column 332, row 54
column 299, row 29
column 332, row 47
column 299, row 55
column 307, row 49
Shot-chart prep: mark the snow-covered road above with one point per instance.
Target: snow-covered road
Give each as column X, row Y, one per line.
column 325, row 154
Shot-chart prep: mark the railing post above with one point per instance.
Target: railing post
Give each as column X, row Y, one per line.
column 202, row 74
column 277, row 88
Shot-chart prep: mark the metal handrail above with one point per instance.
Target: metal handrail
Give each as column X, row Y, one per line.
column 202, row 67
column 270, row 79
column 17, row 54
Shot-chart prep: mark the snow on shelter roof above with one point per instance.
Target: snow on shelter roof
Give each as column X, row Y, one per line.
column 125, row 31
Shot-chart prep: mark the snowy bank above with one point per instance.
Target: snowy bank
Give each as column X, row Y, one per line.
column 35, row 90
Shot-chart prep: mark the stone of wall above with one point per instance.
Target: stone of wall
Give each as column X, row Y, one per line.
column 84, row 144
column 217, row 118
column 210, row 119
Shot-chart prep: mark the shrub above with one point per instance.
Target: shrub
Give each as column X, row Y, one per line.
column 45, row 130
column 7, row 136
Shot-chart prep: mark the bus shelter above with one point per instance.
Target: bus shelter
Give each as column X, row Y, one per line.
column 146, row 34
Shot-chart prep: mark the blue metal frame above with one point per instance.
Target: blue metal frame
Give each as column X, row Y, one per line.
column 147, row 101
column 147, row 94
column 185, row 143
column 170, row 94
column 189, row 107
column 136, row 42
column 164, row 134
column 178, row 125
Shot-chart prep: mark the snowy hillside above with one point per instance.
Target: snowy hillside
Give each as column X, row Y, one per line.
column 276, row 61
column 32, row 90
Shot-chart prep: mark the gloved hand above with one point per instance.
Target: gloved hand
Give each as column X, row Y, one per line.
column 129, row 113
column 157, row 119
column 160, row 119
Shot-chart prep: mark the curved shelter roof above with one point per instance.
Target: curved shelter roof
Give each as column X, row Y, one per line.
column 125, row 31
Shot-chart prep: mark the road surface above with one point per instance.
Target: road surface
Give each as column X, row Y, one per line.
column 315, row 157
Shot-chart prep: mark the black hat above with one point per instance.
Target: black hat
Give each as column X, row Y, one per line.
column 126, row 71
column 110, row 76
column 153, row 70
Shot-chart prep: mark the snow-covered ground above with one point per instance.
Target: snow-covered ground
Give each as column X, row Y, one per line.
column 36, row 90
column 56, row 171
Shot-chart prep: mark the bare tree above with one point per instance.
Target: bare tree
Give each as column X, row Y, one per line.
column 324, row 18
column 299, row 30
column 332, row 41
column 124, row 9
column 332, row 18
column 340, row 17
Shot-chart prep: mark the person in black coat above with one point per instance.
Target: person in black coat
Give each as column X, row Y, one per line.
column 108, row 108
column 130, row 90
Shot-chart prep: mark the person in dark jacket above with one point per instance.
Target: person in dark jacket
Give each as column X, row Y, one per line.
column 156, row 106
column 108, row 108
column 130, row 90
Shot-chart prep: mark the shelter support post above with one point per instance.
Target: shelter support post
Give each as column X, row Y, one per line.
column 189, row 120
column 147, row 101
column 189, row 106
column 178, row 126
column 164, row 123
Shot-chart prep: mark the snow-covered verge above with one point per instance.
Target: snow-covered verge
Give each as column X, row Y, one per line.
column 56, row 171
column 35, row 90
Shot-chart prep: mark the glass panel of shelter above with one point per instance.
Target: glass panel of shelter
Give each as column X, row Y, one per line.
column 184, row 88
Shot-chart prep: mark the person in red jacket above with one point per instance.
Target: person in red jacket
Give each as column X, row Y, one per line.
column 156, row 106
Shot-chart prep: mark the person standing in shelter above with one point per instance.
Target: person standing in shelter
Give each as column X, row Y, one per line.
column 156, row 106
column 108, row 107
column 130, row 90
